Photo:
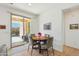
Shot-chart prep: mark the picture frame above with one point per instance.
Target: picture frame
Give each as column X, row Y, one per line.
column 2, row 26
column 47, row 26
column 74, row 26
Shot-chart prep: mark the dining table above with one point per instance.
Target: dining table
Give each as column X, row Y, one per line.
column 40, row 39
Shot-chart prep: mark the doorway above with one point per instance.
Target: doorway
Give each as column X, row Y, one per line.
column 71, row 19
column 20, row 26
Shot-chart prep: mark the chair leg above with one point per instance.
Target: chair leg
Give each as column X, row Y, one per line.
column 6, row 52
column 47, row 53
column 31, row 51
column 53, row 50
column 28, row 47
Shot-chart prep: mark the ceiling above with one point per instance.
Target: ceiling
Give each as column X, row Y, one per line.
column 37, row 8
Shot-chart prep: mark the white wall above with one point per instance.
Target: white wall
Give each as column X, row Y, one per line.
column 34, row 25
column 5, row 18
column 55, row 16
column 72, row 36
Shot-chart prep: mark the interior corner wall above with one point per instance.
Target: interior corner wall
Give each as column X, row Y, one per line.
column 34, row 25
column 55, row 17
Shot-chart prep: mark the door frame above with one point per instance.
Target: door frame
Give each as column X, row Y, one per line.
column 11, row 26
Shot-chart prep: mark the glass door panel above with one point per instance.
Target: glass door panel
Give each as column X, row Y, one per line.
column 20, row 27
column 27, row 25
column 17, row 30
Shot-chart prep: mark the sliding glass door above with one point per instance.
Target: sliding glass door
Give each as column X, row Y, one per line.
column 20, row 26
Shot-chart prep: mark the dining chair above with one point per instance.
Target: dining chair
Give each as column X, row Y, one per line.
column 35, row 45
column 47, row 35
column 49, row 44
column 30, row 40
column 26, row 40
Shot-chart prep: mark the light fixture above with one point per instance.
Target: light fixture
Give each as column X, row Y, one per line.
column 29, row 4
column 11, row 3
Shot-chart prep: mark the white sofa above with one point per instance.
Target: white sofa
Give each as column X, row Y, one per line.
column 3, row 50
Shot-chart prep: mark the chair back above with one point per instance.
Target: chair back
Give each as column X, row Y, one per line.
column 46, row 35
column 32, row 34
column 31, row 39
column 25, row 38
column 50, row 42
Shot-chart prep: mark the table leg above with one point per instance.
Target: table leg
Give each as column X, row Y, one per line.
column 39, row 48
